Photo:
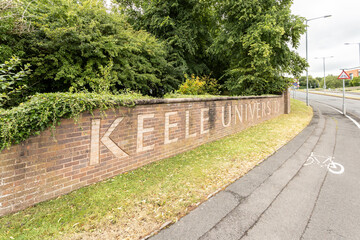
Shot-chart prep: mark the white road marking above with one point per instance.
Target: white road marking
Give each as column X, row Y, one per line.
column 331, row 166
column 353, row 120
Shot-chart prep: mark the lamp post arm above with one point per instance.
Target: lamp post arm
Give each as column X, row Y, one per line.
column 308, row 20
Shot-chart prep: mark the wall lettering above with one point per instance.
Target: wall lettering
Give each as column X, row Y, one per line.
column 140, row 133
column 106, row 140
column 95, row 142
column 202, row 120
column 168, row 126
column 110, row 144
column 256, row 110
column 252, row 111
column 187, row 126
column 239, row 113
column 268, row 107
column 223, row 116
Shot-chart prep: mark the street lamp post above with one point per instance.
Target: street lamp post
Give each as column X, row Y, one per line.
column 307, row 57
column 323, row 58
column 359, row 48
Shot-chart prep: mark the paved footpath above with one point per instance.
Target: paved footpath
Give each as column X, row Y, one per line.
column 284, row 199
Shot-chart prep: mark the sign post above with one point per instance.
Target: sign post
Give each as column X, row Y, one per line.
column 344, row 76
column 295, row 86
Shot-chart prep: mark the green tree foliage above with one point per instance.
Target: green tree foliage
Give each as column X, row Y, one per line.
column 333, row 82
column 256, row 35
column 12, row 83
column 355, row 82
column 148, row 45
column 313, row 82
column 187, row 27
column 13, row 21
column 77, row 44
column 320, row 80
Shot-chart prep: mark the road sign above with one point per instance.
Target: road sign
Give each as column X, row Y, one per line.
column 295, row 83
column 344, row 75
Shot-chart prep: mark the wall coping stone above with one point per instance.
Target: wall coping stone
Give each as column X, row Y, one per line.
column 184, row 100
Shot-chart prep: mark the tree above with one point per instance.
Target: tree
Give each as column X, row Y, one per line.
column 355, row 82
column 333, row 82
column 320, row 80
column 12, row 83
column 13, row 21
column 187, row 28
column 313, row 82
column 76, row 44
column 148, row 45
column 256, row 36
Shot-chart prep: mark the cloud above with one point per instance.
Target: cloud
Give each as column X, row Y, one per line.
column 326, row 36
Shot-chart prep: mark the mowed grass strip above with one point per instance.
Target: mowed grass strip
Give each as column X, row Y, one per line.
column 134, row 204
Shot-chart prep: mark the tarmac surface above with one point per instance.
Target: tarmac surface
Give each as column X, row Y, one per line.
column 291, row 195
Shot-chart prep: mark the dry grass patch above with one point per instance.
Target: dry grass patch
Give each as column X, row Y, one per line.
column 132, row 205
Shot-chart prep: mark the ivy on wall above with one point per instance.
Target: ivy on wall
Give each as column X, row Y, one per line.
column 46, row 110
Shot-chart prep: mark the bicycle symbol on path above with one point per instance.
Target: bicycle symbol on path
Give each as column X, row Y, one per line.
column 331, row 166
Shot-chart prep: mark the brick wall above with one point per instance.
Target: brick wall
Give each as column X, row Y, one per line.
column 97, row 148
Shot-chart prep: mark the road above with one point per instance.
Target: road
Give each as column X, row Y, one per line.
column 287, row 197
column 352, row 106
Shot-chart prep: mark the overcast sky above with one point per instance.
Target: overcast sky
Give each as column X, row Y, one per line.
column 326, row 36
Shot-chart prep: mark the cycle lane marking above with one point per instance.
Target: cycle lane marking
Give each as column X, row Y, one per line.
column 331, row 166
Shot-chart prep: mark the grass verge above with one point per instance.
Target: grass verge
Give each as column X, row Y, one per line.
column 132, row 205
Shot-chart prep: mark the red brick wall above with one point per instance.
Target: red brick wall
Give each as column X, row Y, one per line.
column 97, row 148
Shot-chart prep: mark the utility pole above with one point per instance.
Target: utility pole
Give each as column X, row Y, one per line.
column 307, row 57
column 323, row 58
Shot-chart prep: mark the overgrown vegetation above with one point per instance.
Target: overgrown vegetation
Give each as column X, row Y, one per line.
column 49, row 46
column 81, row 44
column 45, row 110
column 148, row 46
column 132, row 205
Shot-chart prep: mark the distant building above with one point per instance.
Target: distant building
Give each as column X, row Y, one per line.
column 353, row 72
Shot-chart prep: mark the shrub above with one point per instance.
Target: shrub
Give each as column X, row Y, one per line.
column 192, row 86
column 199, row 85
column 355, row 82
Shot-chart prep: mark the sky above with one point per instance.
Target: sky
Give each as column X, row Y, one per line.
column 326, row 36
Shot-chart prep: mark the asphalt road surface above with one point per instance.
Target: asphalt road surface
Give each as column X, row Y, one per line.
column 352, row 106
column 291, row 195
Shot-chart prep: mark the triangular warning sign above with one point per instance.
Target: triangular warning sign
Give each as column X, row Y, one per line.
column 344, row 75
